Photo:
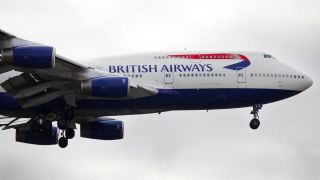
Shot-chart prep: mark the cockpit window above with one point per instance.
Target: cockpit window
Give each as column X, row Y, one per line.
column 267, row 56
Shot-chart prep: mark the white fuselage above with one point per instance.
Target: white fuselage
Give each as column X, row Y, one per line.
column 190, row 81
column 162, row 71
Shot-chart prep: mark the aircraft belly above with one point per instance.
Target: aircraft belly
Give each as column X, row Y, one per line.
column 165, row 100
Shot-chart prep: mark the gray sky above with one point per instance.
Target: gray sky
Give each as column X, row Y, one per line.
column 187, row 144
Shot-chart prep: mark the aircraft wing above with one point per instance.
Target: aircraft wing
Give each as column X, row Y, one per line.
column 35, row 87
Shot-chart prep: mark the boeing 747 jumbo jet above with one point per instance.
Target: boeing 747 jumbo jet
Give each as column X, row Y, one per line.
column 52, row 88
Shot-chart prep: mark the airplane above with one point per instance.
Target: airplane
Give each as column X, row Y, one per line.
column 50, row 88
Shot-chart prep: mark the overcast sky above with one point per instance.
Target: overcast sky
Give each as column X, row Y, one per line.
column 188, row 144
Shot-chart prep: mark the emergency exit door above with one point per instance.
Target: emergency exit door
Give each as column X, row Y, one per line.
column 241, row 75
column 168, row 78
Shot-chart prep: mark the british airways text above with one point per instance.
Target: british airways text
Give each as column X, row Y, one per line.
column 163, row 68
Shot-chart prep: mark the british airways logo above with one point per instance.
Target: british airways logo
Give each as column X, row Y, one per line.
column 245, row 62
column 196, row 67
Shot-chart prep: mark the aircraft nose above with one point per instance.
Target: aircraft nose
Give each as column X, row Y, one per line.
column 308, row 82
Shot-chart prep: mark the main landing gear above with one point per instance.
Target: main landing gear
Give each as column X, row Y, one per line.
column 255, row 123
column 65, row 136
column 64, row 125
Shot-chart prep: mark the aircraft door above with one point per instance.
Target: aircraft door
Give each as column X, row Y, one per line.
column 168, row 78
column 241, row 75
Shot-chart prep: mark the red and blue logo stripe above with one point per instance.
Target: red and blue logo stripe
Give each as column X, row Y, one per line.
column 244, row 61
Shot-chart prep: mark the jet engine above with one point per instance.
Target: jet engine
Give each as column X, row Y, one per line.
column 103, row 129
column 45, row 137
column 106, row 87
column 36, row 57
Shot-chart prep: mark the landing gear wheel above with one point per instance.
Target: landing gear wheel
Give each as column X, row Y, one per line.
column 70, row 133
column 254, row 123
column 63, row 142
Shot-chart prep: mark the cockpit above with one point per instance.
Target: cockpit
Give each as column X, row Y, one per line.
column 267, row 56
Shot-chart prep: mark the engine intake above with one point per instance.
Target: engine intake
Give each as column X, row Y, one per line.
column 37, row 57
column 107, row 87
column 46, row 137
column 102, row 129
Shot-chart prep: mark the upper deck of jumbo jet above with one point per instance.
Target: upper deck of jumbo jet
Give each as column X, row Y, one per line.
column 183, row 55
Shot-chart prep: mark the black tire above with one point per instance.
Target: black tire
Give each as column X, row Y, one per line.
column 70, row 133
column 254, row 123
column 63, row 142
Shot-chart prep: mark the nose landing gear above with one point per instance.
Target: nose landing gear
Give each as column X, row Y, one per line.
column 255, row 123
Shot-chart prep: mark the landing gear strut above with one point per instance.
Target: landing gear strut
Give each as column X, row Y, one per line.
column 255, row 123
column 70, row 133
column 64, row 125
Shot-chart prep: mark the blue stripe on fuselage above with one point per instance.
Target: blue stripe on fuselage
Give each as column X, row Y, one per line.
column 169, row 99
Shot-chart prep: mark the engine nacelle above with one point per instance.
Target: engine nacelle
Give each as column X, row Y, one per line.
column 47, row 137
column 36, row 57
column 102, row 129
column 107, row 87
